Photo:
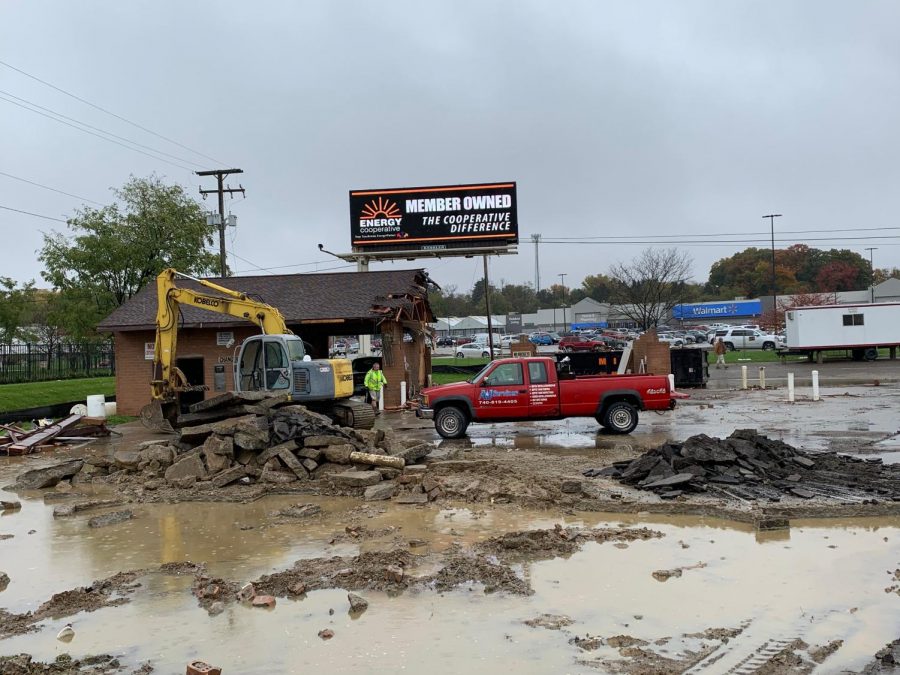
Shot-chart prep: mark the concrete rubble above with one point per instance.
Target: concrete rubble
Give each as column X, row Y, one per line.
column 241, row 439
column 750, row 466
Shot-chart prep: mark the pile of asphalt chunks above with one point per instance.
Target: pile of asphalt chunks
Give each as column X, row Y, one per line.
column 749, row 465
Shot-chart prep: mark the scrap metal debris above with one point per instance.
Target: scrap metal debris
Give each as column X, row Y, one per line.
column 15, row 440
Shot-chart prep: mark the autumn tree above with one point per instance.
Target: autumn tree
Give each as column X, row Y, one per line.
column 882, row 274
column 647, row 288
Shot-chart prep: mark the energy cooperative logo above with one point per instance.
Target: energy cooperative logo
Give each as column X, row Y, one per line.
column 381, row 216
column 380, row 207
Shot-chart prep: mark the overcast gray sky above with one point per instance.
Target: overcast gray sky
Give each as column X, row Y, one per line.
column 639, row 119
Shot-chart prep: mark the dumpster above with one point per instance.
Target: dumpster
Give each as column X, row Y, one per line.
column 689, row 366
column 592, row 363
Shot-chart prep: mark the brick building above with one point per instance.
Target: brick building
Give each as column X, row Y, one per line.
column 392, row 305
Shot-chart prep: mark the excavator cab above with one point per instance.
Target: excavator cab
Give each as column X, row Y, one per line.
column 266, row 363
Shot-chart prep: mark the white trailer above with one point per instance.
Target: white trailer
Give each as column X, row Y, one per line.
column 859, row 329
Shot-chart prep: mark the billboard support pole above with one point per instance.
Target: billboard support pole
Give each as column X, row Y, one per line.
column 365, row 341
column 487, row 305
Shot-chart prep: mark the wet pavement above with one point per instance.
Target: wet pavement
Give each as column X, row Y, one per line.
column 820, row 580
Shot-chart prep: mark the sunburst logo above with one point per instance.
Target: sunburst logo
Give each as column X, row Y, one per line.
column 380, row 208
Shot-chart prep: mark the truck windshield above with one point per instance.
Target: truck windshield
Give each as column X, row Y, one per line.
column 479, row 375
column 295, row 350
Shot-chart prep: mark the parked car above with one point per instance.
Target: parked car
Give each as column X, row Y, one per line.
column 473, row 350
column 673, row 340
column 748, row 338
column 541, row 338
column 345, row 346
column 507, row 341
column 446, row 342
column 464, row 341
column 580, row 344
column 556, row 337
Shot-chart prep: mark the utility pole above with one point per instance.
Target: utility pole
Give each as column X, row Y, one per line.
column 562, row 282
column 487, row 304
column 221, row 190
column 872, row 270
column 536, row 238
column 772, row 217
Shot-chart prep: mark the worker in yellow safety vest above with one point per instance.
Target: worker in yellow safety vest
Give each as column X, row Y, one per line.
column 375, row 383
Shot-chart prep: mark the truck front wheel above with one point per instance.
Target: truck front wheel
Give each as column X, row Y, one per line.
column 620, row 418
column 451, row 422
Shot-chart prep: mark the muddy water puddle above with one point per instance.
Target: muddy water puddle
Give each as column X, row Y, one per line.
column 818, row 581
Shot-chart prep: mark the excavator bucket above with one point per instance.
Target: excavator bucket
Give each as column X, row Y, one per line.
column 159, row 415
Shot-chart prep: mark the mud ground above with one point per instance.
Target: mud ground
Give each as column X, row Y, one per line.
column 533, row 467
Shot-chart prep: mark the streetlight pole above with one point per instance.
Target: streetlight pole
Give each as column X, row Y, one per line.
column 772, row 217
column 872, row 270
column 562, row 282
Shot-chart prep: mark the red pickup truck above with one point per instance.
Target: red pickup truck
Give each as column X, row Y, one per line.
column 509, row 390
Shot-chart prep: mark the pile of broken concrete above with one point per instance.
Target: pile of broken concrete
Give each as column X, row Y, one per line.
column 750, row 466
column 252, row 439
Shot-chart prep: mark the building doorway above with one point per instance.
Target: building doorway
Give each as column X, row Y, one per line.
column 192, row 367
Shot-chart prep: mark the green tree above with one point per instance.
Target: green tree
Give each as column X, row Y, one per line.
column 14, row 307
column 113, row 251
column 595, row 286
column 520, row 298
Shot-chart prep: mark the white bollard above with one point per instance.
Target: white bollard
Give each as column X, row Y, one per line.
column 790, row 387
column 762, row 377
column 815, row 380
column 671, row 382
column 381, row 400
column 403, row 393
column 743, row 377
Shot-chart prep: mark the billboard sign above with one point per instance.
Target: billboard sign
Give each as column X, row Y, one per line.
column 715, row 310
column 434, row 218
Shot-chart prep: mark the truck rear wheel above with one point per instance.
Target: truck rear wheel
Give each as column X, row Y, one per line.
column 870, row 354
column 451, row 422
column 729, row 346
column 620, row 418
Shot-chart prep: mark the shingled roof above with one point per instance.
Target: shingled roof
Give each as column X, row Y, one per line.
column 300, row 298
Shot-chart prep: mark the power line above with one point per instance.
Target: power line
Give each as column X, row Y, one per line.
column 721, row 234
column 36, row 215
column 706, row 242
column 315, row 271
column 47, row 187
column 109, row 112
column 102, row 131
column 160, row 159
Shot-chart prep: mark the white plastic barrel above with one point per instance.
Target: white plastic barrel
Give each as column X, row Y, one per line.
column 110, row 408
column 96, row 405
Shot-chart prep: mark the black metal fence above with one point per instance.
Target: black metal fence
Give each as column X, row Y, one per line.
column 32, row 362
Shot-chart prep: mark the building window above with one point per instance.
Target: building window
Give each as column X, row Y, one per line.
column 853, row 320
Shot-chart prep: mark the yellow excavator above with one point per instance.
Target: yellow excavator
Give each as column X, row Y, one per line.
column 275, row 361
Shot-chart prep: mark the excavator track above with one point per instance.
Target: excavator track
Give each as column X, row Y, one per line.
column 354, row 414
